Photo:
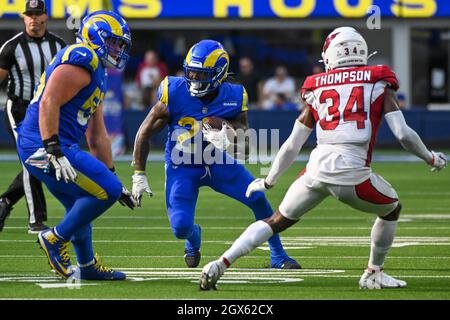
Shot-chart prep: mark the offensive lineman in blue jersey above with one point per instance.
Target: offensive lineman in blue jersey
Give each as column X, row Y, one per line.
column 66, row 105
column 184, row 103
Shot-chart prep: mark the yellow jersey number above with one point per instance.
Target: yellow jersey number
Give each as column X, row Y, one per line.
column 195, row 128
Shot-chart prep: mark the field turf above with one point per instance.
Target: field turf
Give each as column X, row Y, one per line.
column 331, row 243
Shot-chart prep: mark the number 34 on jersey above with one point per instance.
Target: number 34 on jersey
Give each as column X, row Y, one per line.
column 348, row 103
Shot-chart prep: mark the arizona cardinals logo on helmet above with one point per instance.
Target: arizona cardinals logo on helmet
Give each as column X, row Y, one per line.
column 328, row 41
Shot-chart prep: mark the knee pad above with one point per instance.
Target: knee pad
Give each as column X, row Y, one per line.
column 182, row 232
column 394, row 215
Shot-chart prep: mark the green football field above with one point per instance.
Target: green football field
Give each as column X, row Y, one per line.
column 331, row 243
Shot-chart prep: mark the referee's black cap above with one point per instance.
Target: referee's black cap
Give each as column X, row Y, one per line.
column 35, row 7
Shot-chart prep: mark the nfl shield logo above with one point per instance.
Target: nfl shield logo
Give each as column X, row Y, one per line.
column 33, row 3
column 205, row 110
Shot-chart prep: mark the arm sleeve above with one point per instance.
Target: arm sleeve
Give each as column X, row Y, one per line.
column 288, row 152
column 6, row 56
column 407, row 137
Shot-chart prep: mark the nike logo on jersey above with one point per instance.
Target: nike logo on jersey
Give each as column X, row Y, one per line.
column 84, row 54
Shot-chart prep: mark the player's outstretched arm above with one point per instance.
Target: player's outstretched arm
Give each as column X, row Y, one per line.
column 407, row 137
column 288, row 152
column 156, row 120
column 64, row 83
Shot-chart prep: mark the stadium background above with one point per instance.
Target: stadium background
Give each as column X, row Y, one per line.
column 413, row 38
column 332, row 242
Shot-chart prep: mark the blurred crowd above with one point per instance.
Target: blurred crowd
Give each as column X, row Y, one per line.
column 277, row 92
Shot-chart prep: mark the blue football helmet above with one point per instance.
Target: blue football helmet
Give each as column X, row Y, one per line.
column 108, row 34
column 205, row 67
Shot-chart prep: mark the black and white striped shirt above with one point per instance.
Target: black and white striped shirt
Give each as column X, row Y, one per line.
column 26, row 59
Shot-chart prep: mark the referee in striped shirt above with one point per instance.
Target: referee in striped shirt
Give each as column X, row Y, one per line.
column 24, row 58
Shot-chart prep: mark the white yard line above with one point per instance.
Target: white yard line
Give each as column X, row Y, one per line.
column 313, row 240
column 246, row 257
column 364, row 217
column 243, row 228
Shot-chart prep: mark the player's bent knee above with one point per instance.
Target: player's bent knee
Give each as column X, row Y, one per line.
column 182, row 232
column 279, row 223
column 394, row 215
column 114, row 190
column 256, row 198
column 259, row 204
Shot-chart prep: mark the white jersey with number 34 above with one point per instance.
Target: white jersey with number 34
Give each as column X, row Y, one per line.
column 347, row 104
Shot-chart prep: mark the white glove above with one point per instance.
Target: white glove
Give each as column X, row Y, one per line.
column 438, row 162
column 257, row 185
column 140, row 185
column 218, row 138
column 63, row 168
column 39, row 159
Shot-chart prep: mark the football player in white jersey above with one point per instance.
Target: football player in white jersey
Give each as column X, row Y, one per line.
column 346, row 104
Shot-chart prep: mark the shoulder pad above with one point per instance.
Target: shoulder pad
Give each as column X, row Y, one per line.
column 385, row 73
column 163, row 91
column 308, row 85
column 81, row 55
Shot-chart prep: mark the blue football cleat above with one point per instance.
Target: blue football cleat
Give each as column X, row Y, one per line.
column 192, row 255
column 284, row 262
column 99, row 271
column 56, row 250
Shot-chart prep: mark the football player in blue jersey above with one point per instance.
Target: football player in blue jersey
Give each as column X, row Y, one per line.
column 66, row 106
column 185, row 105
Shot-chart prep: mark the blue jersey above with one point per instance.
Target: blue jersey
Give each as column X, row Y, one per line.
column 74, row 115
column 185, row 143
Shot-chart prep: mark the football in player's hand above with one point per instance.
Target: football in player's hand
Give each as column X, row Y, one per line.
column 217, row 122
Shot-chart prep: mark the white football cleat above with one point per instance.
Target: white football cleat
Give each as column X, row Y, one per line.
column 377, row 279
column 211, row 273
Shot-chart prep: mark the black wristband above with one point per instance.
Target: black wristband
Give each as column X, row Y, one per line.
column 266, row 185
column 113, row 169
column 52, row 146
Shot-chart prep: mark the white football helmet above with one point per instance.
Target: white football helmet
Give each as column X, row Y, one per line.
column 344, row 47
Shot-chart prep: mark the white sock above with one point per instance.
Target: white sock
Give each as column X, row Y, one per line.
column 90, row 263
column 382, row 237
column 57, row 234
column 255, row 235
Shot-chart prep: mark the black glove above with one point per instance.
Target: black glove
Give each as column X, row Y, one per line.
column 125, row 198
